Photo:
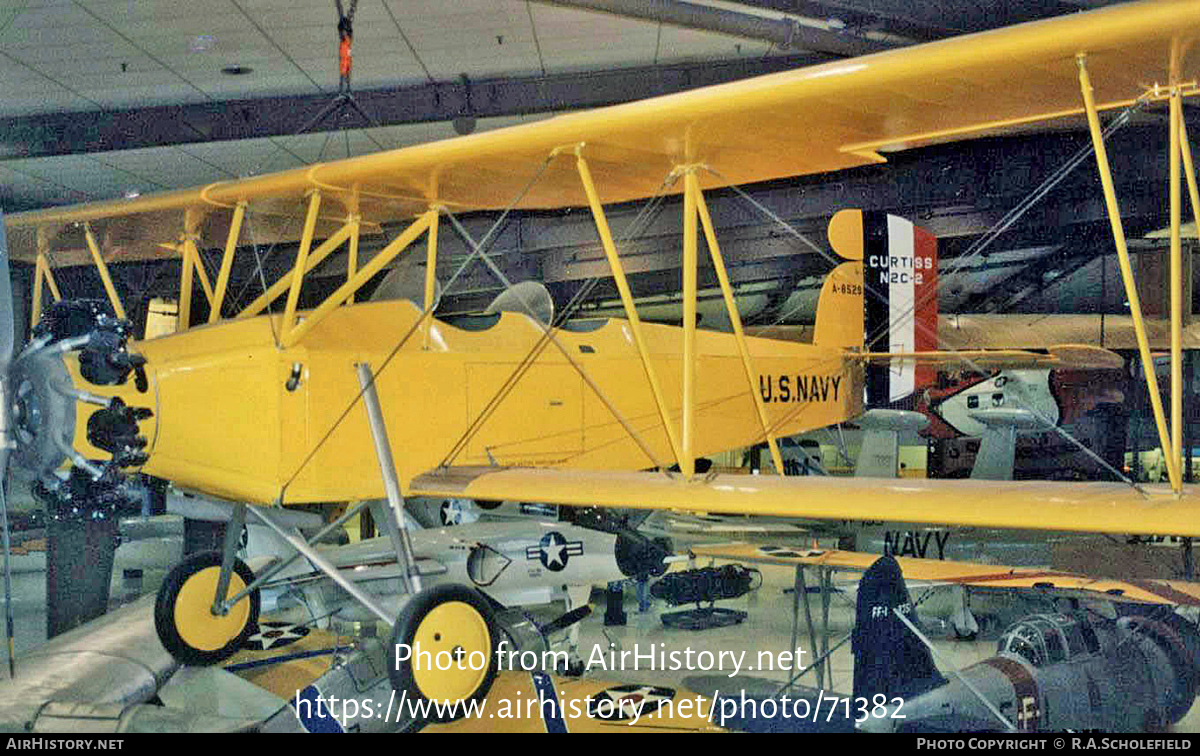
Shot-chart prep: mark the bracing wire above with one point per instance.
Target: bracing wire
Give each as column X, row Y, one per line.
column 425, row 314
column 976, row 249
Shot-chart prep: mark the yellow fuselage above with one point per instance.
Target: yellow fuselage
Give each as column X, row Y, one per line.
column 225, row 421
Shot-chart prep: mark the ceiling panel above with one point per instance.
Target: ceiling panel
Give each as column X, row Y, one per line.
column 448, row 63
column 63, row 34
column 688, row 44
column 9, row 7
column 77, row 172
column 66, row 55
column 282, row 9
column 13, row 73
column 215, row 50
column 16, row 45
column 103, row 79
column 179, row 33
column 47, row 98
column 67, row 69
column 28, row 16
column 285, row 24
column 149, row 18
column 567, row 61
column 390, row 71
column 243, row 158
column 157, row 94
column 24, row 187
column 274, row 79
column 167, row 167
column 553, row 22
column 437, row 15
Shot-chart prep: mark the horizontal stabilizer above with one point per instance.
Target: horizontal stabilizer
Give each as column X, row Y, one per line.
column 1007, row 417
column 1060, row 356
column 893, row 420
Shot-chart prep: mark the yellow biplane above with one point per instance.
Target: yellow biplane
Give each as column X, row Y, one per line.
column 262, row 407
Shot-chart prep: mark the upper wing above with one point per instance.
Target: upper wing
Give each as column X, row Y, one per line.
column 1175, row 592
column 824, row 118
column 1041, row 505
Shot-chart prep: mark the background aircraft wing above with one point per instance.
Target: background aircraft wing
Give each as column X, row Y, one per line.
column 823, row 118
column 1174, row 592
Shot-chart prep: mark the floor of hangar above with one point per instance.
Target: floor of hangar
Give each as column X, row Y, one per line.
column 767, row 629
column 764, row 636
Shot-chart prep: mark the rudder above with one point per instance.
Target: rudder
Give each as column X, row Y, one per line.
column 891, row 278
column 888, row 657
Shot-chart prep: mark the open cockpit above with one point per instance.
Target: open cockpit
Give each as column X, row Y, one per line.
column 1043, row 639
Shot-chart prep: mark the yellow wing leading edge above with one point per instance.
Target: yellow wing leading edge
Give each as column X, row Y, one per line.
column 1170, row 592
column 813, row 120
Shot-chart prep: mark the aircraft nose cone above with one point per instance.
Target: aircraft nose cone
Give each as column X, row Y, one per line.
column 40, row 413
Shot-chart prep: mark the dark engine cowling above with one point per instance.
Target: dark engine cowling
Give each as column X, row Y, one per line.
column 641, row 557
column 1172, row 645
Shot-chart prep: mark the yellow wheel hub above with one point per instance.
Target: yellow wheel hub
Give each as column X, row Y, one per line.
column 452, row 652
column 194, row 621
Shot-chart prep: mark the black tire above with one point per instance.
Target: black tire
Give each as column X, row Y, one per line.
column 168, row 597
column 407, row 677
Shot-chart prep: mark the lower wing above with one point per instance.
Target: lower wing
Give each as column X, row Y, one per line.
column 1039, row 505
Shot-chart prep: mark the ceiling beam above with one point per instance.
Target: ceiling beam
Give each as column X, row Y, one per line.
column 927, row 20
column 784, row 33
column 105, row 131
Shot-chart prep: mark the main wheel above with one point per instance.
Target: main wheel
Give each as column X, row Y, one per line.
column 183, row 611
column 449, row 634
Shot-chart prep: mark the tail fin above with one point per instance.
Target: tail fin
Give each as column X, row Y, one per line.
column 998, row 444
column 892, row 280
column 879, row 456
column 888, row 657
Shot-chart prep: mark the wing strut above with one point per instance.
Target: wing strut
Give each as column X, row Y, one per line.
column 102, row 269
column 635, row 322
column 42, row 276
column 1135, row 307
column 231, row 240
column 735, row 319
column 695, row 210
